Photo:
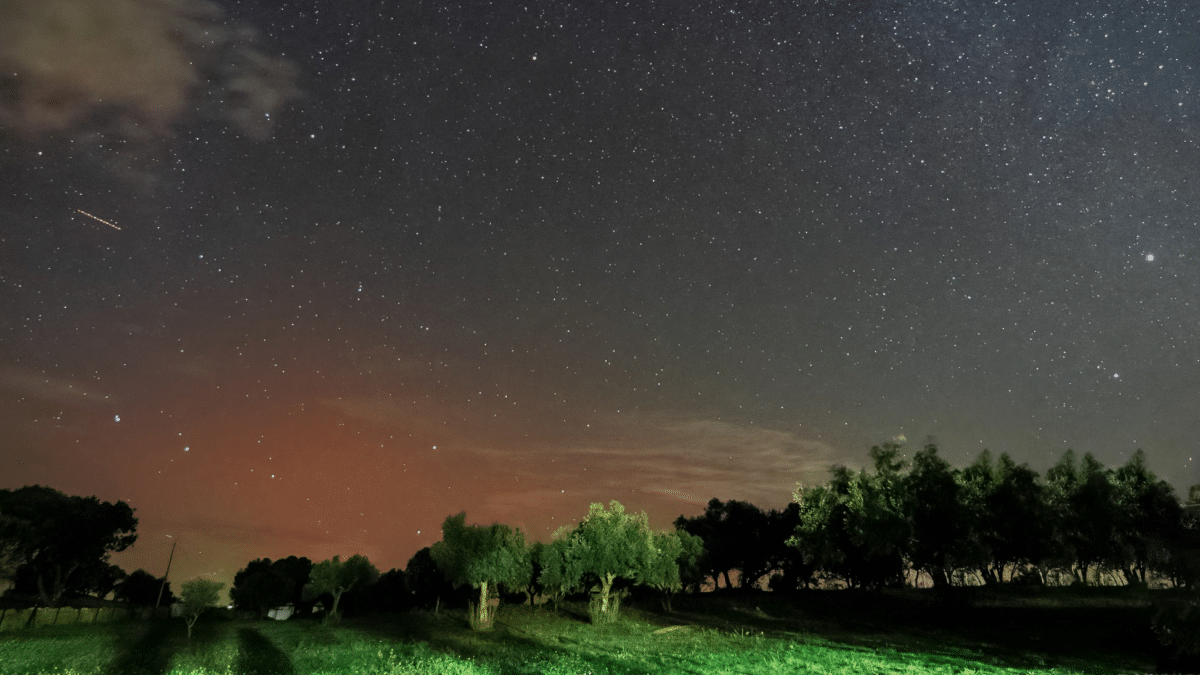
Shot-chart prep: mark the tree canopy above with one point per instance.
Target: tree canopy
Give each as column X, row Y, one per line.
column 482, row 557
column 609, row 545
column 198, row 595
column 52, row 536
column 335, row 577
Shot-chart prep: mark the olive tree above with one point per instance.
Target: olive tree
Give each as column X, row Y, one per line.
column 609, row 545
column 198, row 595
column 335, row 577
column 482, row 557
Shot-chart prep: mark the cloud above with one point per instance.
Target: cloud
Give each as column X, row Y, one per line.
column 133, row 68
column 49, row 388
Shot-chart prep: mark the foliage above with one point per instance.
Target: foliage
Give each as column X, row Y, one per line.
column 482, row 557
column 263, row 585
column 426, row 585
column 737, row 536
column 142, row 589
column 335, row 577
column 856, row 528
column 198, row 595
column 54, row 536
column 609, row 545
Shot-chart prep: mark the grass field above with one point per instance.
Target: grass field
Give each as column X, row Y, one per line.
column 832, row 632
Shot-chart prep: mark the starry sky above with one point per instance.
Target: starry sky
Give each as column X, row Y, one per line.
column 307, row 277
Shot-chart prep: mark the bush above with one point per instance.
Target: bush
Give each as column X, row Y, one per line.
column 1177, row 623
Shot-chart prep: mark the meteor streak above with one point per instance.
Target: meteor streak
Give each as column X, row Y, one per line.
column 98, row 219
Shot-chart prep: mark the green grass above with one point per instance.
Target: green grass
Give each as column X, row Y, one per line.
column 725, row 636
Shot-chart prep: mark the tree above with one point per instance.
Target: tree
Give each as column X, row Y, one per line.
column 607, row 546
column 937, row 523
column 1150, row 517
column 554, row 575
column 260, row 586
column 54, row 535
column 855, row 528
column 99, row 579
column 427, row 586
column 140, row 589
column 674, row 551
column 198, row 595
column 482, row 557
column 263, row 585
column 336, row 577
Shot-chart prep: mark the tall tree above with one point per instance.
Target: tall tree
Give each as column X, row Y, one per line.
column 1149, row 517
column 335, row 577
column 482, row 557
column 1083, row 502
column 55, row 535
column 937, row 522
column 198, row 595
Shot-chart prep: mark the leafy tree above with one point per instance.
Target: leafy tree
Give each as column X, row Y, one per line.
column 198, row 595
column 389, row 593
column 54, row 535
column 674, row 551
column 554, row 575
column 296, row 571
column 1150, row 517
column 607, row 546
column 427, row 586
column 482, row 557
column 261, row 586
column 335, row 577
column 937, row 522
column 141, row 589
column 855, row 528
column 738, row 536
column 1082, row 500
column 99, row 579
column 1006, row 518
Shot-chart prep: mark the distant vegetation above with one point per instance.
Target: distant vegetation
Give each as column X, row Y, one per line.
column 903, row 522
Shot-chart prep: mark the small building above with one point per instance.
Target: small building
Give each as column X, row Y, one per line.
column 282, row 613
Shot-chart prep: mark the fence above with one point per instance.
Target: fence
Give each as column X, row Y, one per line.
column 33, row 617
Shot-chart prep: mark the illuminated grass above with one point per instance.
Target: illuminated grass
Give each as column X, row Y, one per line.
column 525, row 642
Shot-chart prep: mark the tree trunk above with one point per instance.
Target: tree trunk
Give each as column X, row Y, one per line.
column 482, row 618
column 606, row 583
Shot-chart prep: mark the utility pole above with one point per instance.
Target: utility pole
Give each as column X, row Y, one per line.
column 164, row 583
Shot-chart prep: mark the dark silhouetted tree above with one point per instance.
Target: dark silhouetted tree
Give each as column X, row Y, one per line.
column 55, row 535
column 937, row 519
column 261, row 586
column 140, row 589
column 1149, row 518
column 426, row 584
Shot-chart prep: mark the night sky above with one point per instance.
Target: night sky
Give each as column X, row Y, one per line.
column 379, row 262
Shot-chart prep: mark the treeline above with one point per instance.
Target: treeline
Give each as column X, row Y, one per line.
column 993, row 522
column 898, row 522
